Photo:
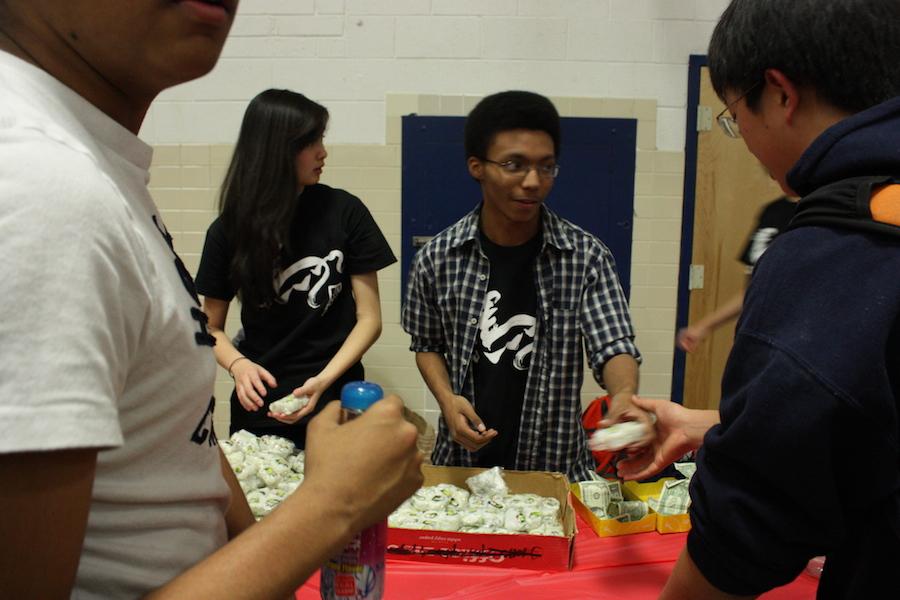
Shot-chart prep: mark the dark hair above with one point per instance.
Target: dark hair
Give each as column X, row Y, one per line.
column 847, row 50
column 509, row 110
column 259, row 194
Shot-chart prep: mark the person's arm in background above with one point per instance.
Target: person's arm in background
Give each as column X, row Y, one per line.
column 357, row 473
column 691, row 336
column 250, row 379
column 466, row 427
column 360, row 339
column 679, row 430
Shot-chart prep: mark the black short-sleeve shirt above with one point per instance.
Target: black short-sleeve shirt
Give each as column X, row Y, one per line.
column 333, row 236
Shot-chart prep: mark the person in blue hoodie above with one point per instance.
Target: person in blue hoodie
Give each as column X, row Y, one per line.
column 803, row 457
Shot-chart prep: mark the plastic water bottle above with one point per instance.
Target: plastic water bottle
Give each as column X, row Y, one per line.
column 357, row 573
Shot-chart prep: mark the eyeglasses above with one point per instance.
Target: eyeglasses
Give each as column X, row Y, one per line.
column 728, row 123
column 518, row 168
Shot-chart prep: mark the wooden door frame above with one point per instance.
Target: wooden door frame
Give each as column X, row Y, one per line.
column 697, row 62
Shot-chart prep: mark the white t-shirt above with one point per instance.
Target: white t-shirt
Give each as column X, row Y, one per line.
column 98, row 337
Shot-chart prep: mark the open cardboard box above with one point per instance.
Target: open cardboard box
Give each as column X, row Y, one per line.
column 541, row 552
column 633, row 490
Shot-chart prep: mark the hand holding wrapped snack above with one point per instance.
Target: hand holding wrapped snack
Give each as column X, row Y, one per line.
column 289, row 404
column 618, row 436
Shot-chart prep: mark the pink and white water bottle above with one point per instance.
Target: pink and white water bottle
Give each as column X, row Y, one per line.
column 357, row 572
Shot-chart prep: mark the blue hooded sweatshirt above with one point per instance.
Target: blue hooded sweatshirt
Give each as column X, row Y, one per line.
column 806, row 460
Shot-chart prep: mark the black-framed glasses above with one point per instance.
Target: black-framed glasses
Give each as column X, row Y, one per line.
column 728, row 123
column 518, row 168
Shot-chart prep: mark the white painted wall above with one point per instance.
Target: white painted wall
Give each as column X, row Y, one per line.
column 348, row 54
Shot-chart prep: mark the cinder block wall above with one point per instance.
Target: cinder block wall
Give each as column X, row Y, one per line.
column 371, row 61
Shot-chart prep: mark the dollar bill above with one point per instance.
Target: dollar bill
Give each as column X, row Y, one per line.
column 627, row 511
column 686, row 468
column 595, row 494
column 674, row 498
column 615, row 490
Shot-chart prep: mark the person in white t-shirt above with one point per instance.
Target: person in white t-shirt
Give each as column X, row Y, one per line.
column 113, row 483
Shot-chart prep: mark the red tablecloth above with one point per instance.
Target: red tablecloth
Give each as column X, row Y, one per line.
column 628, row 567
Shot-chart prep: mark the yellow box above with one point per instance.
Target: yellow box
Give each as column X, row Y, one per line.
column 664, row 523
column 610, row 527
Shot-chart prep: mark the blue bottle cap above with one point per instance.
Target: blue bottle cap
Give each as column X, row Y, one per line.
column 360, row 395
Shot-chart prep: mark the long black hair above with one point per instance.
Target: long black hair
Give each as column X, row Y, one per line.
column 259, row 193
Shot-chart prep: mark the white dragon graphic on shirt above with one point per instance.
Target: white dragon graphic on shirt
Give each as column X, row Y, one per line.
column 315, row 267
column 518, row 330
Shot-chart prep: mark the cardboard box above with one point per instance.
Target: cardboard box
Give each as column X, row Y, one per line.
column 611, row 527
column 664, row 523
column 542, row 552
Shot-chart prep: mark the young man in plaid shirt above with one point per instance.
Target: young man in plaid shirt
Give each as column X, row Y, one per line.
column 500, row 304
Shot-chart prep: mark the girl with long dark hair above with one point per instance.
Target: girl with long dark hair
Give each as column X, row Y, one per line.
column 301, row 257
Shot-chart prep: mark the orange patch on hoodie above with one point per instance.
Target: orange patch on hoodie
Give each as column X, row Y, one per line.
column 885, row 204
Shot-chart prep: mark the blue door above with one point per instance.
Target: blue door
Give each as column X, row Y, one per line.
column 594, row 190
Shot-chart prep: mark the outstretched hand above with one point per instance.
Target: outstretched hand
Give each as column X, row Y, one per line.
column 678, row 431
column 690, row 337
column 622, row 408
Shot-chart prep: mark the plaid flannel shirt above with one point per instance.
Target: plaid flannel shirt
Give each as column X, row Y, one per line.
column 580, row 300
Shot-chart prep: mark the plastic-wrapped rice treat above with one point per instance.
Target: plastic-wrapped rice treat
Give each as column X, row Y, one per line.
column 245, row 470
column 488, row 483
column 275, row 444
column 479, row 529
column 456, row 496
column 235, row 458
column 289, row 486
column 429, row 524
column 243, row 439
column 618, row 436
column 289, row 404
column 298, row 462
column 514, row 520
column 407, row 519
column 292, row 477
column 550, row 506
column 429, row 498
column 496, row 502
column 524, row 500
column 270, row 476
column 250, row 483
column 256, row 496
column 271, row 503
column 449, row 521
column 471, row 517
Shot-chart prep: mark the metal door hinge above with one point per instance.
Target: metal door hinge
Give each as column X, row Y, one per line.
column 695, row 277
column 704, row 118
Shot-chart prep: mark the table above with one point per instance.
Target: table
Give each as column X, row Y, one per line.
column 615, row 568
